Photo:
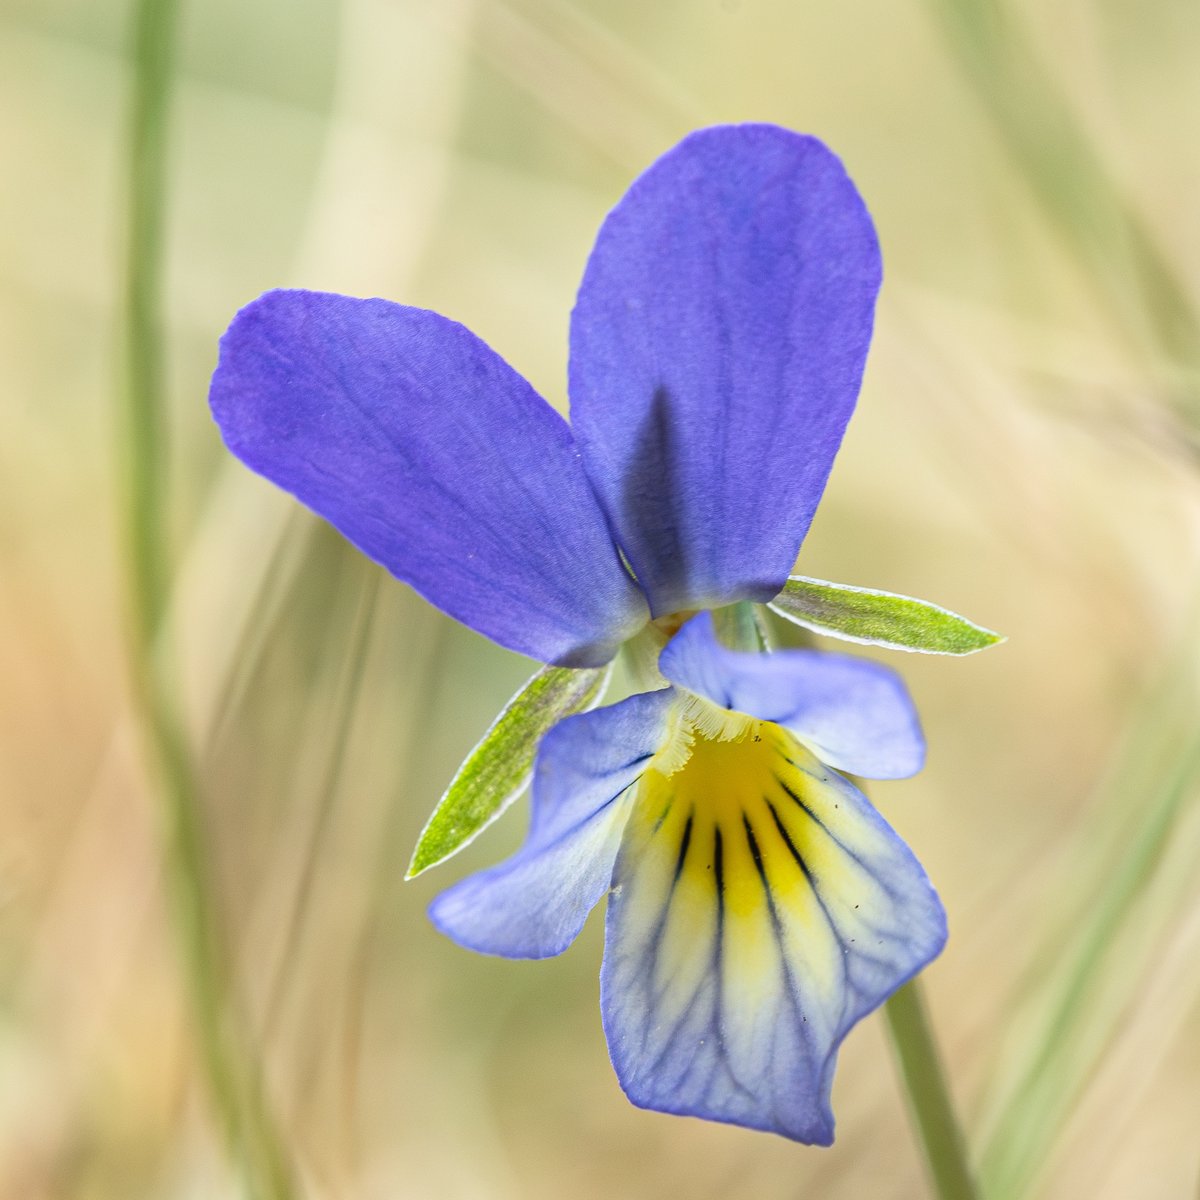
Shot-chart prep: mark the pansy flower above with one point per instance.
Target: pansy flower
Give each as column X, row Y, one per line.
column 759, row 906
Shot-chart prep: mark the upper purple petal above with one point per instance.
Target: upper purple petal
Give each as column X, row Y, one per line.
column 717, row 347
column 853, row 714
column 435, row 458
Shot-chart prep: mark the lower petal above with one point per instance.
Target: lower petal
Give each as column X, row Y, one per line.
column 761, row 907
column 534, row 904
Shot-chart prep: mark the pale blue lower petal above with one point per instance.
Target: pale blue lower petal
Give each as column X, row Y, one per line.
column 534, row 904
column 750, row 927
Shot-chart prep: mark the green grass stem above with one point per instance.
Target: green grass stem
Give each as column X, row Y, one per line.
column 928, row 1094
column 233, row 1082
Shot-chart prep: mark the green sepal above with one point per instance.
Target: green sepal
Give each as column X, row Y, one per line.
column 499, row 768
column 738, row 626
column 879, row 618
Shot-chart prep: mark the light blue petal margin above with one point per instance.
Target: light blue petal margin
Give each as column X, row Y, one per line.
column 534, row 904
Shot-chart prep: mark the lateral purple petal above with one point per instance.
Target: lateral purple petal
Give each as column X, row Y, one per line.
column 853, row 714
column 534, row 904
column 717, row 347
column 433, row 456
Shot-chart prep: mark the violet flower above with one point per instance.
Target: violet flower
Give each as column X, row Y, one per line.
column 759, row 905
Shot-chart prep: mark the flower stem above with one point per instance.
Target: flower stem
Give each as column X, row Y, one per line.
column 928, row 1094
column 233, row 1080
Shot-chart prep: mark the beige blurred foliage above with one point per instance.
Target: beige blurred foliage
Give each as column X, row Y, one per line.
column 1011, row 458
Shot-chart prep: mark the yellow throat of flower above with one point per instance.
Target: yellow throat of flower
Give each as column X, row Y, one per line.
column 716, row 759
column 740, row 813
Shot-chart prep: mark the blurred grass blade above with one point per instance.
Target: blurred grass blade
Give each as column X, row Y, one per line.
column 498, row 769
column 1069, row 178
column 233, row 1083
column 249, row 638
column 879, row 618
column 353, row 651
column 1058, row 1057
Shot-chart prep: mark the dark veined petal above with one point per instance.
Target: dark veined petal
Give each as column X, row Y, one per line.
column 435, row 458
column 853, row 714
column 534, row 904
column 717, row 348
column 760, row 908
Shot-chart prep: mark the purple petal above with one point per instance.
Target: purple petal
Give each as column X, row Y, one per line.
column 534, row 904
column 435, row 458
column 717, row 347
column 749, row 930
column 853, row 714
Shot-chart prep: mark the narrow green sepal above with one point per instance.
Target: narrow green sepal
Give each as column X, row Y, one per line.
column 879, row 618
column 498, row 769
column 737, row 626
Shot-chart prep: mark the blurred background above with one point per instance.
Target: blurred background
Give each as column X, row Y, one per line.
column 256, row 995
